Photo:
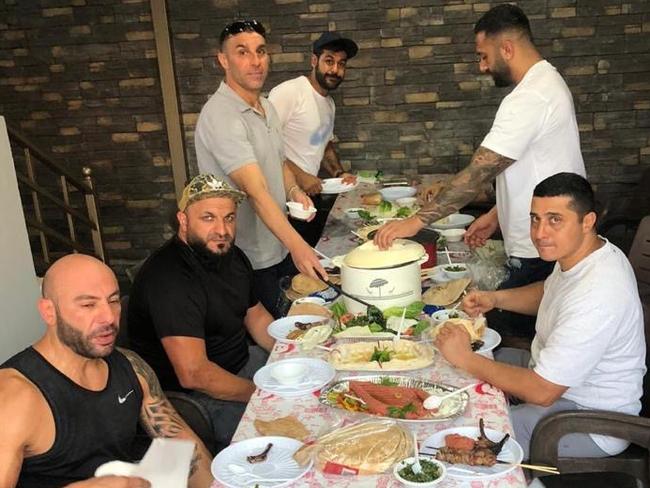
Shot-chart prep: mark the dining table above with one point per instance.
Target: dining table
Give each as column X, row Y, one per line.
column 485, row 401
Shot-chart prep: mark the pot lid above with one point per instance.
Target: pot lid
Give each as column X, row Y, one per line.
column 369, row 256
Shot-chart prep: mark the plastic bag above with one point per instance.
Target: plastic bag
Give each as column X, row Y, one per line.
column 487, row 265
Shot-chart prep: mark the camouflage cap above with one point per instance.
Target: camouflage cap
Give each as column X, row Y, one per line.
column 208, row 186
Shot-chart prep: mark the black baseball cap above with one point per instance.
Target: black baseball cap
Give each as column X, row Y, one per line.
column 331, row 39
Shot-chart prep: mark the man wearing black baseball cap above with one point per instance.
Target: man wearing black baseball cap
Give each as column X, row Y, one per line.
column 306, row 112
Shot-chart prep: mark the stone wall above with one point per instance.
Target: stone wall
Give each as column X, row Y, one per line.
column 80, row 76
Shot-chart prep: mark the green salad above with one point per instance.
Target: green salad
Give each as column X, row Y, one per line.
column 430, row 472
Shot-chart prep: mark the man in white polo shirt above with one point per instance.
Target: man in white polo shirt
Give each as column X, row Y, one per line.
column 306, row 111
column 589, row 347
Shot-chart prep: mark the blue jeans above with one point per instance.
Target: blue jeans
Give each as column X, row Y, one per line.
column 267, row 284
column 523, row 271
column 225, row 414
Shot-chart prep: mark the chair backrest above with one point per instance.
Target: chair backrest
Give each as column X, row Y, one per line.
column 639, row 257
column 197, row 417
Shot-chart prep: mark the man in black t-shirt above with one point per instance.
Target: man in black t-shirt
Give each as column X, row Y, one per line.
column 192, row 303
column 71, row 402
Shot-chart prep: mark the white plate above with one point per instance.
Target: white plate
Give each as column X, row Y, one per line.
column 335, row 185
column 318, row 373
column 279, row 329
column 511, row 453
column 491, row 339
column 279, row 463
column 453, row 221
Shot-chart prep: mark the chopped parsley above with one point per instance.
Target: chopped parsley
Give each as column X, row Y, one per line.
column 400, row 412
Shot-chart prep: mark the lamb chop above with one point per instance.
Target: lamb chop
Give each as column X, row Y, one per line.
column 473, row 452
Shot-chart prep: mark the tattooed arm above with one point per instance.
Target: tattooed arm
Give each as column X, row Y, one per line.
column 160, row 419
column 458, row 192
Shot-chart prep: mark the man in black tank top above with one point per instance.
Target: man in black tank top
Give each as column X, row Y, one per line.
column 71, row 402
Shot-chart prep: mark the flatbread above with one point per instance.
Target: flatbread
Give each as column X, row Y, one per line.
column 309, row 309
column 445, row 293
column 288, row 426
column 474, row 327
column 361, row 448
column 305, row 285
column 405, row 355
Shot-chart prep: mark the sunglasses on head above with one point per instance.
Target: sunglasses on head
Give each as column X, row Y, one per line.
column 240, row 26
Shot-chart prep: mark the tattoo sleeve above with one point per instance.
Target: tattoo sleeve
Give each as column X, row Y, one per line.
column 465, row 185
column 158, row 416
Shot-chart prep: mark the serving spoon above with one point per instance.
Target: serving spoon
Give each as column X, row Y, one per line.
column 434, row 401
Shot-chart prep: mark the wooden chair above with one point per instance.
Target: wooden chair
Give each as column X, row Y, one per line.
column 632, row 464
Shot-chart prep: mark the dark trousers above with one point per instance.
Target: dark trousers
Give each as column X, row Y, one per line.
column 312, row 231
column 523, row 271
column 267, row 285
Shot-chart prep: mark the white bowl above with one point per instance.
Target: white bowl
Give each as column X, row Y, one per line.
column 454, row 275
column 297, row 211
column 353, row 213
column 453, row 235
column 443, row 315
column 392, row 193
column 288, row 373
column 408, row 461
column 314, row 300
column 406, row 201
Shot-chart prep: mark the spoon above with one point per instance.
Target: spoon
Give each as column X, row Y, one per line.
column 240, row 471
column 416, row 467
column 371, row 310
column 434, row 401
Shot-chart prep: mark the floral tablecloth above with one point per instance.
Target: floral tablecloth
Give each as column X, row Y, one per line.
column 485, row 401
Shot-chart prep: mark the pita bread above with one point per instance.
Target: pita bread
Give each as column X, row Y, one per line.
column 305, row 285
column 288, row 426
column 445, row 293
column 474, row 327
column 367, row 448
column 309, row 309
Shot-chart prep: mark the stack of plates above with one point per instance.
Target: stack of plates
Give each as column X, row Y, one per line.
column 318, row 373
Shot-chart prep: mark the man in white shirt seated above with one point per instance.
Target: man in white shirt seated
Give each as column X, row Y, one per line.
column 589, row 346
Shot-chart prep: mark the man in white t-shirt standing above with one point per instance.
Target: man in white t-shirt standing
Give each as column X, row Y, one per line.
column 534, row 135
column 589, row 347
column 306, row 111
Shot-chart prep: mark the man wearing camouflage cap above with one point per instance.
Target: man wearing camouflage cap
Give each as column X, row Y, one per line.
column 192, row 304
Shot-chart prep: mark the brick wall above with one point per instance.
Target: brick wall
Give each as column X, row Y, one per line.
column 80, row 77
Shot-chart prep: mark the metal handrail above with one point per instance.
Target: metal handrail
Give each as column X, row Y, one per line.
column 85, row 186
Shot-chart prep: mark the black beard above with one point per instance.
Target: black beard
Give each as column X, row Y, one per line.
column 501, row 75
column 208, row 259
column 324, row 84
column 79, row 343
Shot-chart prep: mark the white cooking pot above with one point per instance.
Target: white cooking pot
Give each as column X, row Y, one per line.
column 389, row 279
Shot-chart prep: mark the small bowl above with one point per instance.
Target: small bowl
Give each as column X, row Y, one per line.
column 454, row 275
column 443, row 315
column 314, row 300
column 392, row 193
column 453, row 235
column 298, row 212
column 288, row 373
column 408, row 461
column 352, row 213
column 408, row 202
